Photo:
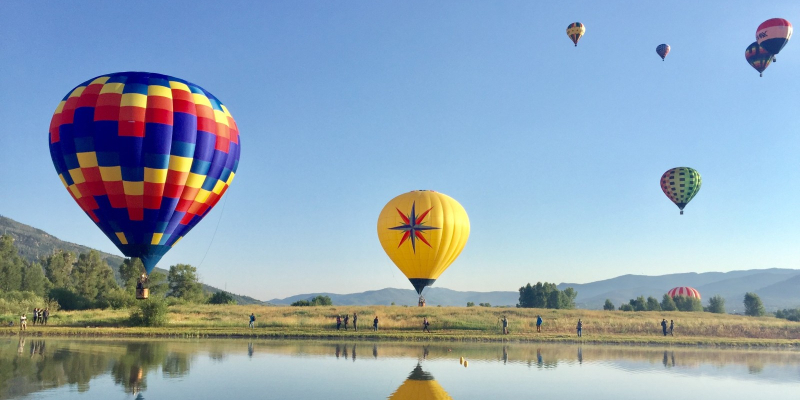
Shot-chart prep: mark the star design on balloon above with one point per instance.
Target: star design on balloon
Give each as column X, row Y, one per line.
column 413, row 227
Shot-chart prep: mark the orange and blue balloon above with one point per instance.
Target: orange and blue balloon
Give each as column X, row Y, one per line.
column 773, row 34
column 662, row 50
column 757, row 57
column 146, row 156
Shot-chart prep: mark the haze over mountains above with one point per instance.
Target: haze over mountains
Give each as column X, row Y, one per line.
column 778, row 288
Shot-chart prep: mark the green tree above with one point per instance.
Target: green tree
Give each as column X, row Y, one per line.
column 668, row 303
column 33, row 279
column 58, row 268
column 315, row 301
column 11, row 265
column 790, row 314
column 221, row 297
column 566, row 299
column 639, row 304
column 184, row 284
column 716, row 305
column 539, row 295
column 150, row 312
column 554, row 299
column 129, row 271
column 686, row 303
column 157, row 282
column 92, row 276
column 652, row 304
column 626, row 307
column 752, row 305
column 470, row 304
column 485, row 305
column 609, row 306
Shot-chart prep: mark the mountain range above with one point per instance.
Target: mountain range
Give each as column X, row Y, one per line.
column 778, row 288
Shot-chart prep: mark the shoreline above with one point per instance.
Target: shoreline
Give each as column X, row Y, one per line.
column 186, row 332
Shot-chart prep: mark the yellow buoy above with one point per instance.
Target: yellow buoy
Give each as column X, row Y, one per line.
column 461, row 360
column 466, row 363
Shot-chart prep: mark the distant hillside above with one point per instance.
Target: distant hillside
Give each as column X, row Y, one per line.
column 33, row 243
column 406, row 297
column 778, row 288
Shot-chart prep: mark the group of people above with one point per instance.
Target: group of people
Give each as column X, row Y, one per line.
column 664, row 327
column 40, row 316
column 346, row 320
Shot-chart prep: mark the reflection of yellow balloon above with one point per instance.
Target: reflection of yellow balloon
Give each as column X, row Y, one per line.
column 423, row 232
column 420, row 385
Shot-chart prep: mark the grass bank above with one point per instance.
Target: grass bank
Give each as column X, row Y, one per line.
column 447, row 324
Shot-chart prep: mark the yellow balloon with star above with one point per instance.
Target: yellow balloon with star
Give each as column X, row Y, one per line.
column 420, row 385
column 423, row 232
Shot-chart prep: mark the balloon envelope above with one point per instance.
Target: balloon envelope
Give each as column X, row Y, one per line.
column 681, row 184
column 773, row 34
column 757, row 57
column 662, row 50
column 575, row 31
column 145, row 155
column 423, row 232
column 684, row 291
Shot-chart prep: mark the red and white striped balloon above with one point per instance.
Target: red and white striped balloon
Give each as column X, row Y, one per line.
column 684, row 291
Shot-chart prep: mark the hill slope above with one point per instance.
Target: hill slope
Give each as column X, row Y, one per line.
column 33, row 243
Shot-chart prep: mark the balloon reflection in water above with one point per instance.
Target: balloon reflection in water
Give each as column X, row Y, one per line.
column 420, row 385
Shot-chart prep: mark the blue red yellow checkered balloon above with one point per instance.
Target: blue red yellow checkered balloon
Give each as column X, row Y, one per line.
column 145, row 155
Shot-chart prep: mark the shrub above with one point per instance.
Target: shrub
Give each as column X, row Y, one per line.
column 608, row 306
column 69, row 300
column 790, row 314
column 150, row 312
column 221, row 297
column 626, row 307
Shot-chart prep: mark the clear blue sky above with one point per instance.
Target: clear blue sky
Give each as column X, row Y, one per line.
column 554, row 151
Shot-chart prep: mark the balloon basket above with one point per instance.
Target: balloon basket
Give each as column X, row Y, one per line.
column 421, row 301
column 681, row 212
column 142, row 294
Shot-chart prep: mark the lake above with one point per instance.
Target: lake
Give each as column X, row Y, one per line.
column 48, row 368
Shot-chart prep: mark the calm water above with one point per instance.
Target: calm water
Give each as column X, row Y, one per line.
column 37, row 368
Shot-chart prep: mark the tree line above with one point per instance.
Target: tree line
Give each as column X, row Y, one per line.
column 546, row 295
column 83, row 281
column 716, row 304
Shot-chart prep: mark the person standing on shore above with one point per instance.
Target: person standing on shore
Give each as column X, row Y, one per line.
column 664, row 326
column 538, row 323
column 346, row 319
column 580, row 328
column 425, row 324
column 338, row 322
column 505, row 325
column 375, row 324
column 23, row 322
column 46, row 315
column 252, row 320
column 355, row 325
column 671, row 327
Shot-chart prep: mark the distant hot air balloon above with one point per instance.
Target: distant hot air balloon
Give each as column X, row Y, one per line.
column 681, row 185
column 662, row 50
column 146, row 156
column 773, row 34
column 420, row 385
column 757, row 57
column 684, row 291
column 575, row 30
column 423, row 232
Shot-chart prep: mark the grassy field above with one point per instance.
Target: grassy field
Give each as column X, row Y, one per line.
column 447, row 323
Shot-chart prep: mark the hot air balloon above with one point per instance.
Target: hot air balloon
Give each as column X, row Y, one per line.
column 662, row 50
column 773, row 34
column 420, row 385
column 423, row 232
column 681, row 185
column 757, row 57
column 684, row 291
column 575, row 30
column 146, row 156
